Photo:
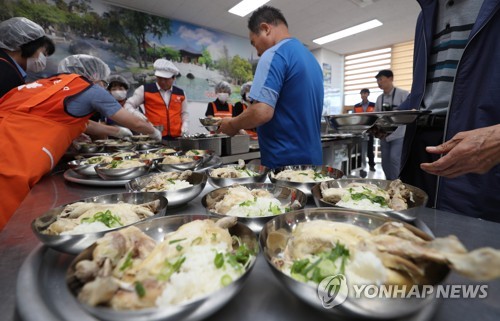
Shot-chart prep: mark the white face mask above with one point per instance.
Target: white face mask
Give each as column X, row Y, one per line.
column 36, row 64
column 119, row 94
column 223, row 97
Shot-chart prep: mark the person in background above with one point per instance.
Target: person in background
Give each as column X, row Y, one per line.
column 243, row 104
column 117, row 87
column 23, row 47
column 287, row 94
column 165, row 105
column 391, row 146
column 39, row 121
column 454, row 153
column 366, row 106
column 221, row 107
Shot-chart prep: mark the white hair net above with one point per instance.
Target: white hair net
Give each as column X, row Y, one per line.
column 18, row 31
column 92, row 68
column 245, row 88
column 223, row 86
column 119, row 79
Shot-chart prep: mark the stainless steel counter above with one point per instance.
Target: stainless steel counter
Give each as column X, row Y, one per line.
column 263, row 297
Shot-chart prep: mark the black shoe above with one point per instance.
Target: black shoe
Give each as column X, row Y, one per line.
column 363, row 173
column 372, row 168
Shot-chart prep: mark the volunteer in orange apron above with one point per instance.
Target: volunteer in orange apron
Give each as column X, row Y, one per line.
column 366, row 106
column 165, row 105
column 242, row 105
column 23, row 47
column 39, row 120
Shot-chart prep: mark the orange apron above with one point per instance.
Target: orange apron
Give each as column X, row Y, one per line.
column 30, row 146
column 250, row 132
column 222, row 113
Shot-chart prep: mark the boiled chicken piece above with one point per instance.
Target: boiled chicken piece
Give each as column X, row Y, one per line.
column 73, row 214
column 199, row 232
column 320, row 235
column 98, row 291
column 481, row 264
column 125, row 299
column 331, row 194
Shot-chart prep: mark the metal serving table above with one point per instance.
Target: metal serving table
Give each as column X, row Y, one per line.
column 262, row 297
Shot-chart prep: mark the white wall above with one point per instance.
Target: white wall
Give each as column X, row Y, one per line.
column 334, row 89
column 196, row 111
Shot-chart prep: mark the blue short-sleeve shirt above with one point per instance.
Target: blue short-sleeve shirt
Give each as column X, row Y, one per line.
column 289, row 79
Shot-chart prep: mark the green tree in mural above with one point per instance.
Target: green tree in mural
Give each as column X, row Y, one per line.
column 139, row 25
column 240, row 69
column 206, row 58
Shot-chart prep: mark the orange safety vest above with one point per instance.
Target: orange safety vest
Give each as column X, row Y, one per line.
column 222, row 113
column 35, row 131
column 159, row 114
column 251, row 132
column 359, row 109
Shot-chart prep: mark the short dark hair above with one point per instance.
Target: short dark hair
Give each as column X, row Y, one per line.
column 385, row 72
column 365, row 90
column 29, row 49
column 265, row 14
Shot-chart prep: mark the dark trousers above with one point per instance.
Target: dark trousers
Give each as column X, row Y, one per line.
column 369, row 152
column 416, row 154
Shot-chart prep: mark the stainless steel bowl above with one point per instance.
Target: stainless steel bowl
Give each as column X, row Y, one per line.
column 351, row 123
column 197, row 309
column 209, row 121
column 375, row 308
column 306, row 187
column 122, row 173
column 123, row 146
column 196, row 160
column 89, row 148
column 148, row 144
column 125, row 155
column 223, row 182
column 420, row 197
column 285, row 194
column 74, row 244
column 139, row 137
column 175, row 198
column 81, row 167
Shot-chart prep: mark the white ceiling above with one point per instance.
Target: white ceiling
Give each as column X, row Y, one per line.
column 307, row 19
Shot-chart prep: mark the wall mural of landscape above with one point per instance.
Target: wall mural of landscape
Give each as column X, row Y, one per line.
column 130, row 41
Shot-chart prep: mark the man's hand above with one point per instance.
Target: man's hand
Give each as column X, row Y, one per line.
column 227, row 128
column 474, row 151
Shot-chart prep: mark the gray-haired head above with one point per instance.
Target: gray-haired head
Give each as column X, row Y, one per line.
column 118, row 79
column 92, row 68
column 245, row 88
column 18, row 31
column 223, row 87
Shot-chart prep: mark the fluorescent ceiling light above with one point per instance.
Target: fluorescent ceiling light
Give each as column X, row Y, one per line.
column 246, row 6
column 348, row 32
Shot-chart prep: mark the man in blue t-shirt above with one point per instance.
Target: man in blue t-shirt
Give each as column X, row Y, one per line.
column 287, row 94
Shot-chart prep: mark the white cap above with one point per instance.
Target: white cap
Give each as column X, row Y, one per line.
column 165, row 68
column 18, row 31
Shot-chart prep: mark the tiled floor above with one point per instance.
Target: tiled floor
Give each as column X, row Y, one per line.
column 378, row 174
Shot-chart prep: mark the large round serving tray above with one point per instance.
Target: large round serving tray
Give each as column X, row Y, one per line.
column 42, row 294
column 73, row 177
column 360, row 122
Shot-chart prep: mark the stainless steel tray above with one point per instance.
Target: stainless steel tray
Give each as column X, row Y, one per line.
column 41, row 294
column 71, row 176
